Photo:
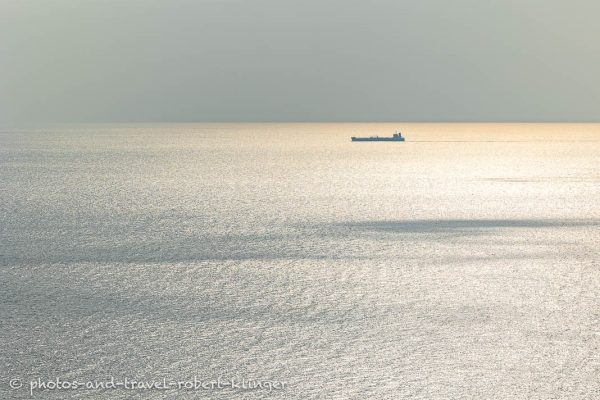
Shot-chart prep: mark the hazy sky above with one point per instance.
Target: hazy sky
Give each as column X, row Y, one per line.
column 302, row 60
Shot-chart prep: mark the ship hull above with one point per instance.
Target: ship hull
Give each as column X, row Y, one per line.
column 376, row 139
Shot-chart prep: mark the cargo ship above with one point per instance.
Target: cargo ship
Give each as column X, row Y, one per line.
column 397, row 137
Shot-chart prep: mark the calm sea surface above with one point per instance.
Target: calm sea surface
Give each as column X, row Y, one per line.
column 463, row 263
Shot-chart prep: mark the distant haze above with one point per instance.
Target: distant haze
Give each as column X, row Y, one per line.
column 304, row 60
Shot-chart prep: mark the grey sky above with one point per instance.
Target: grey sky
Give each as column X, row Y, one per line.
column 303, row 60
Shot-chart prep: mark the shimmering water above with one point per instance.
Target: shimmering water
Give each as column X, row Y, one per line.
column 462, row 263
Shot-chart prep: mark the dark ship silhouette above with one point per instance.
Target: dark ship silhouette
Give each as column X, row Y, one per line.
column 397, row 137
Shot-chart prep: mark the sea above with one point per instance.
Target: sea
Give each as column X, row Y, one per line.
column 283, row 261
